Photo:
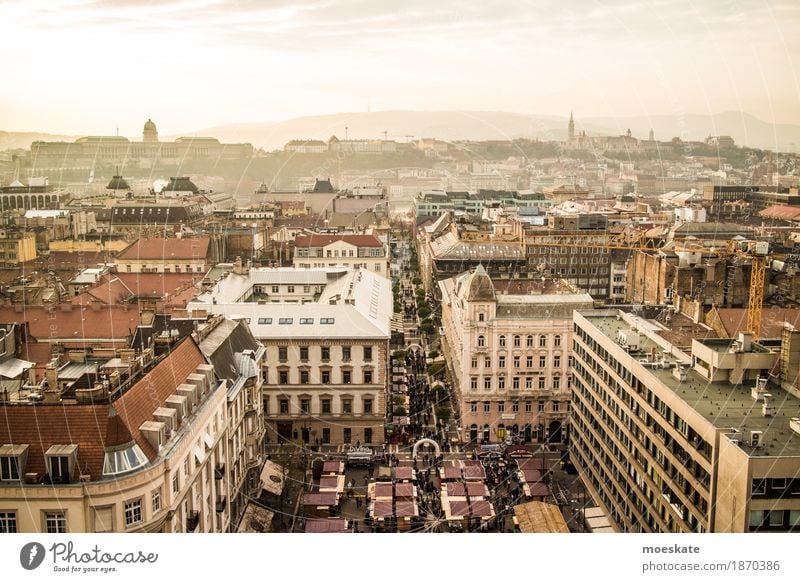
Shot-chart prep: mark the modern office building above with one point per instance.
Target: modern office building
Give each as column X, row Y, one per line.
column 674, row 441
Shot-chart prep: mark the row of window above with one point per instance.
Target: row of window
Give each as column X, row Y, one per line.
column 515, row 383
column 376, row 266
column 325, row 377
column 541, row 406
column 517, row 339
column 289, row 406
column 324, row 351
column 516, row 361
column 289, row 289
column 290, row 320
column 344, row 254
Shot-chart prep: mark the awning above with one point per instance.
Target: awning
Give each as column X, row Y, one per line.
column 208, row 440
column 199, row 454
column 13, row 367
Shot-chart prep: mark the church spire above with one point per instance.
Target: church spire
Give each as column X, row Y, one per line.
column 571, row 128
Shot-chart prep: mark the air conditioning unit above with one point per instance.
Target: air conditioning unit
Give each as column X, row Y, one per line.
column 756, row 437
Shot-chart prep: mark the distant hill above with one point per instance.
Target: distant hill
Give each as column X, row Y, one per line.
column 489, row 125
column 398, row 125
column 12, row 140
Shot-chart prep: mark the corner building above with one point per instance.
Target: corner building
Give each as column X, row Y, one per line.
column 674, row 441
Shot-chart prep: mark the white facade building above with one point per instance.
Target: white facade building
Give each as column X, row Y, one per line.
column 355, row 251
column 325, row 372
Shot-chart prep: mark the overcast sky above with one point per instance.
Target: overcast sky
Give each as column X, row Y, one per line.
column 82, row 66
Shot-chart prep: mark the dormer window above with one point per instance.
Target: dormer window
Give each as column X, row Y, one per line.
column 61, row 461
column 12, row 462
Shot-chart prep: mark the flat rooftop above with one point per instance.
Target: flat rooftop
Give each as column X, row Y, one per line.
column 722, row 404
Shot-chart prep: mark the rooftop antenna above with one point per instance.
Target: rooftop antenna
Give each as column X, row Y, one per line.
column 345, row 132
column 385, row 135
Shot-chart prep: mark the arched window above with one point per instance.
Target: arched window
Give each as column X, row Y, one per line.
column 529, row 341
column 542, row 341
column 557, row 341
column 481, row 341
column 517, row 341
column 502, row 341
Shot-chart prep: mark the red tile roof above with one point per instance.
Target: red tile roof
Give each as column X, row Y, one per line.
column 115, row 289
column 117, row 432
column 151, row 249
column 138, row 404
column 322, row 240
column 781, row 212
column 41, row 427
column 114, row 323
column 89, row 425
column 109, row 290
column 734, row 320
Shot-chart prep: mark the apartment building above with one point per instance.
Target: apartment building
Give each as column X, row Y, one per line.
column 138, row 451
column 509, row 350
column 165, row 255
column 355, row 251
column 575, row 248
column 674, row 441
column 325, row 370
column 237, row 358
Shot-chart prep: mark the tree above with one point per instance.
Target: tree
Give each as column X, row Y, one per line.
column 416, row 281
column 433, row 354
column 399, row 411
column 426, row 327
column 443, row 413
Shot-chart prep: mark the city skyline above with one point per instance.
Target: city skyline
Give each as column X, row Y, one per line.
column 246, row 62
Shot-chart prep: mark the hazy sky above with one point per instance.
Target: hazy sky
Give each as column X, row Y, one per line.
column 82, row 66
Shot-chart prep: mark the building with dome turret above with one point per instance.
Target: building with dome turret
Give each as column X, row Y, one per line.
column 508, row 344
column 93, row 152
column 150, row 133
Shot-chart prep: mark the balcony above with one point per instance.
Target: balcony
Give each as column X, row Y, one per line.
column 192, row 521
column 220, row 504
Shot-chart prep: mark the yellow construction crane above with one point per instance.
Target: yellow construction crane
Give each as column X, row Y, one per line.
column 755, row 251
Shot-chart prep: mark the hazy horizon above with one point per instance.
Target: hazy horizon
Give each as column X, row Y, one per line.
column 79, row 67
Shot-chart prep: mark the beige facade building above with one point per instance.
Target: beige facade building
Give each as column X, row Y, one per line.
column 237, row 358
column 165, row 255
column 355, row 251
column 326, row 334
column 143, row 450
column 509, row 352
column 673, row 441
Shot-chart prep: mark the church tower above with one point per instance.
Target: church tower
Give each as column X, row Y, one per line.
column 652, row 135
column 571, row 129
